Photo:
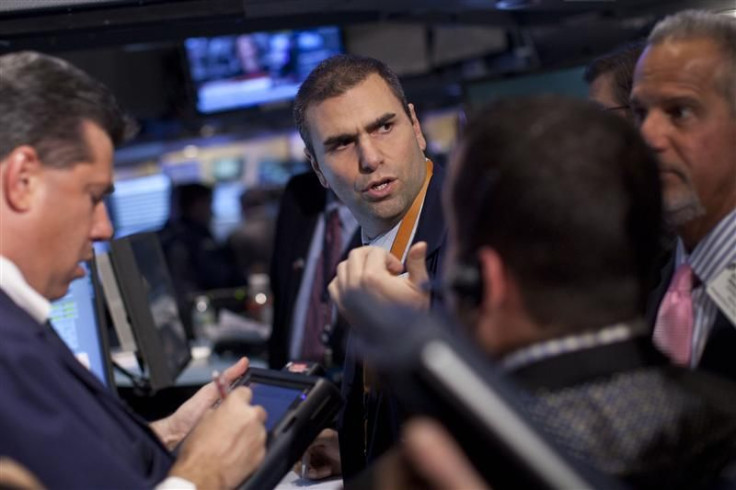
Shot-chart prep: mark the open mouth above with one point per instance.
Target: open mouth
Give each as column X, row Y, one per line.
column 379, row 189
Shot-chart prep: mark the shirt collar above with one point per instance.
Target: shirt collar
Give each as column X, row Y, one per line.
column 22, row 294
column 714, row 252
column 539, row 351
column 384, row 240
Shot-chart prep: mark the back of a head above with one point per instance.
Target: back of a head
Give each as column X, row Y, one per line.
column 43, row 103
column 335, row 76
column 620, row 64
column 187, row 199
column 569, row 197
column 720, row 29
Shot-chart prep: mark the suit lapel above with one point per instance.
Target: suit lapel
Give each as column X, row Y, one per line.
column 719, row 355
column 91, row 383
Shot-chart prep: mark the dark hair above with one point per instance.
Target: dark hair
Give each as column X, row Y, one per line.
column 569, row 197
column 621, row 64
column 184, row 197
column 335, row 76
column 43, row 103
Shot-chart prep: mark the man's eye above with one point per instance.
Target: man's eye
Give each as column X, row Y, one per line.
column 385, row 128
column 680, row 112
column 341, row 145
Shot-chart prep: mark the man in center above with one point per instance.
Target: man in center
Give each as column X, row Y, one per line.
column 364, row 142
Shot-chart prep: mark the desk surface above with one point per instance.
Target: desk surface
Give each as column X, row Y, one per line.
column 197, row 373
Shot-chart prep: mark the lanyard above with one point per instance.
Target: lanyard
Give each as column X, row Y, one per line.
column 408, row 223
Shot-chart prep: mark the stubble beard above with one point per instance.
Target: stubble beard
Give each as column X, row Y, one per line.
column 683, row 208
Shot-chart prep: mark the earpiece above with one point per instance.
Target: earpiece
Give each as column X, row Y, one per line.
column 465, row 281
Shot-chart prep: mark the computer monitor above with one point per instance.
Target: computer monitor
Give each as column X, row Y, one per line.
column 237, row 71
column 148, row 294
column 79, row 320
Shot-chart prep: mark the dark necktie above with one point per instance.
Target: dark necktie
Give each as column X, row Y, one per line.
column 319, row 312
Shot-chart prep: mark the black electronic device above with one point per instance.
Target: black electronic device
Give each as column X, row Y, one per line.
column 149, row 298
column 79, row 319
column 433, row 370
column 304, row 367
column 298, row 408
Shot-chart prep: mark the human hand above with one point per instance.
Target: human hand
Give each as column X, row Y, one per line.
column 436, row 457
column 375, row 270
column 174, row 428
column 14, row 475
column 226, row 446
column 322, row 457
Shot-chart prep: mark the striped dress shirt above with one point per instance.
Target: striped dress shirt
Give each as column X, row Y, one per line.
column 708, row 259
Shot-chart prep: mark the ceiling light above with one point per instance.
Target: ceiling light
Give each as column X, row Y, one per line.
column 514, row 4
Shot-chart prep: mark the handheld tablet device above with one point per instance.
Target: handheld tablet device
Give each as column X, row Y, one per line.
column 433, row 372
column 298, row 408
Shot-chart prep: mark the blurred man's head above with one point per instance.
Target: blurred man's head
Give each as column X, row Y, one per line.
column 684, row 99
column 556, row 205
column 610, row 77
column 57, row 131
column 362, row 138
column 193, row 202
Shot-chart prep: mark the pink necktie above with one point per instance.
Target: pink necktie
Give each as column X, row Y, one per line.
column 673, row 330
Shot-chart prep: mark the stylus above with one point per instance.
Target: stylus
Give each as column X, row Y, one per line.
column 217, row 379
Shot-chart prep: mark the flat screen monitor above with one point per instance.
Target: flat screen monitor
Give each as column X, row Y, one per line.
column 79, row 320
column 148, row 294
column 238, row 71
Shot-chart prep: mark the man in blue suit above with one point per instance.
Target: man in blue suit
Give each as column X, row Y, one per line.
column 57, row 132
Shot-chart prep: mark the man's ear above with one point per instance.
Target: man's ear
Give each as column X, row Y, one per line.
column 315, row 166
column 417, row 129
column 21, row 173
column 495, row 279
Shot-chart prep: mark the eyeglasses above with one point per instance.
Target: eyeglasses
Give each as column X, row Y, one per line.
column 617, row 108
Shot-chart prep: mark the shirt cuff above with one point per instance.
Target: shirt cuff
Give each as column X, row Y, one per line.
column 176, row 483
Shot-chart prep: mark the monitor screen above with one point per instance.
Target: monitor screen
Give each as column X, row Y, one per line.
column 148, row 293
column 140, row 204
column 275, row 400
column 237, row 71
column 78, row 319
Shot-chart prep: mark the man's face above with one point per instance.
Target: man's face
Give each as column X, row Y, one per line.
column 601, row 92
column 369, row 152
column 689, row 123
column 71, row 214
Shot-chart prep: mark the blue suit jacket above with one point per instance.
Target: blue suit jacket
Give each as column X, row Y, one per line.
column 382, row 412
column 60, row 422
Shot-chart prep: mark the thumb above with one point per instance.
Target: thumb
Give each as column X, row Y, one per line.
column 416, row 264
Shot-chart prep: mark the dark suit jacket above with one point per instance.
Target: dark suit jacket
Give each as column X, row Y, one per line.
column 719, row 355
column 623, row 409
column 60, row 422
column 303, row 200
column 383, row 414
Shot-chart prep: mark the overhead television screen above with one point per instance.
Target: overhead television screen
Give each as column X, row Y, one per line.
column 238, row 71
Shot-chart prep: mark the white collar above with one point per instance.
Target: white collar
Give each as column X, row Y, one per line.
column 22, row 294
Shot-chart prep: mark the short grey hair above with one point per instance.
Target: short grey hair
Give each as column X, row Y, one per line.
column 699, row 24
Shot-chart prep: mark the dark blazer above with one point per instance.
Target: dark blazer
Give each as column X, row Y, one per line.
column 384, row 416
column 625, row 410
column 60, row 422
column 719, row 355
column 301, row 204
